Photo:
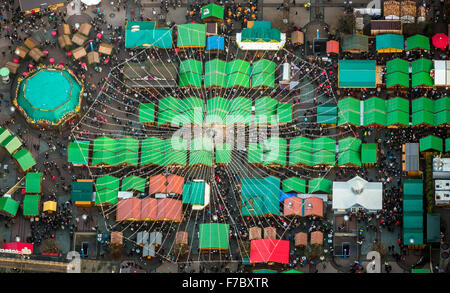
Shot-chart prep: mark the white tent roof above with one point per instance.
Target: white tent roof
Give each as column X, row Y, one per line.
column 91, row 2
column 261, row 46
column 357, row 192
column 440, row 72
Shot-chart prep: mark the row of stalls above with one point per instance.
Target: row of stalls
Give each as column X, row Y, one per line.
column 394, row 112
column 132, row 196
column 216, row 111
column 151, row 151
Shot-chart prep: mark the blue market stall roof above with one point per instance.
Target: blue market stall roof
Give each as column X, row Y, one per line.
column 144, row 34
column 261, row 197
column 357, row 74
column 215, row 43
column 49, row 96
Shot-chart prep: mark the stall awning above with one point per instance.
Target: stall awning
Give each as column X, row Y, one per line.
column 357, row 74
column 332, row 47
column 49, row 206
column 215, row 43
column 269, row 250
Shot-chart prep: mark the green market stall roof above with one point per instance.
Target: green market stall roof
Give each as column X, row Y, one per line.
column 263, row 79
column 261, row 31
column 423, row 103
column 107, row 190
column 397, row 104
column 212, row 11
column 4, row 133
column 107, row 182
column 327, row 114
column 144, row 34
column 433, row 228
column 49, row 96
column 422, row 117
column 255, row 153
column 421, row 73
column 9, row 206
column 357, row 42
column 284, row 112
column 422, row 65
column 357, row 74
column 397, row 118
column 223, row 153
column 418, row 42
column 82, row 190
column 397, row 65
column 33, row 182
column 31, row 205
column 260, row 197
column 238, row 65
column 133, row 183
column 191, row 65
column 369, row 153
column 294, row 184
column 422, row 79
column 238, row 79
column 194, row 193
column 349, row 111
column 191, row 35
column 320, row 185
column 147, row 113
column 431, row 142
column 214, row 236
column 11, row 144
column 388, row 43
column 274, row 151
column 200, row 158
column 106, row 197
column 397, row 79
column 78, row 152
column 263, row 65
column 349, row 157
column 412, row 212
column 25, row 160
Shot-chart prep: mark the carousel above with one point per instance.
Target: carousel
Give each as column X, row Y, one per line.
column 48, row 97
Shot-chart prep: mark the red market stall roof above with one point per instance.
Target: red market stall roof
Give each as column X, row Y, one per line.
column 317, row 237
column 19, row 247
column 292, row 206
column 269, row 250
column 169, row 210
column 149, row 209
column 169, row 184
column 128, row 209
column 270, row 233
column 255, row 233
column 307, row 207
column 301, row 239
column 313, row 206
column 440, row 41
column 333, row 47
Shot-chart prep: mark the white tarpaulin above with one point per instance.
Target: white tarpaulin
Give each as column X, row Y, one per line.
column 142, row 238
column 261, row 46
column 91, row 2
column 369, row 11
column 447, row 72
column 440, row 72
column 155, row 238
